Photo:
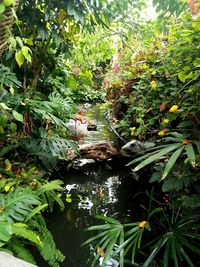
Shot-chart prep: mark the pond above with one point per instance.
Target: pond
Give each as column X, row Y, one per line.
column 96, row 189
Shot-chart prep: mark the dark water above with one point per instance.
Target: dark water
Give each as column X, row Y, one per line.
column 102, row 192
column 96, row 189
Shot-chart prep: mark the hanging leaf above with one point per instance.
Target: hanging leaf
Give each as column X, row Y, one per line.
column 26, row 53
column 17, row 116
column 19, row 58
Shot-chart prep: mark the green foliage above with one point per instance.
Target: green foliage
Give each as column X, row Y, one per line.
column 168, row 241
column 21, row 251
column 113, row 233
column 18, row 204
column 49, row 252
column 49, row 149
column 179, row 146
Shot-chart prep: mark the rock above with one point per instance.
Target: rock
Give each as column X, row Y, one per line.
column 7, row 260
column 135, row 147
column 98, row 151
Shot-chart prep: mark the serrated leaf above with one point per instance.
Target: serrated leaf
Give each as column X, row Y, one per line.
column 17, row 116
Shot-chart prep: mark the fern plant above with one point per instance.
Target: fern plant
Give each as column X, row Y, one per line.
column 22, row 223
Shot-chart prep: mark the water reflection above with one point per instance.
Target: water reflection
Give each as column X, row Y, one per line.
column 96, row 115
column 103, row 189
column 99, row 194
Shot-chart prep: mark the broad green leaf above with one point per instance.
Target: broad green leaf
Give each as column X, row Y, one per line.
column 157, row 156
column 5, row 231
column 17, row 116
column 19, row 41
column 182, row 76
column 190, row 154
column 19, row 58
column 26, row 53
column 4, row 106
column 2, row 8
column 172, row 160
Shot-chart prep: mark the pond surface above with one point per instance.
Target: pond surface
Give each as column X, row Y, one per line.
column 96, row 189
column 94, row 114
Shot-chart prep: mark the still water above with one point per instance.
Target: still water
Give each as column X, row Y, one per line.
column 96, row 189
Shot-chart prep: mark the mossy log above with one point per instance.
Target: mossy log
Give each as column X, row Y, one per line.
column 6, row 23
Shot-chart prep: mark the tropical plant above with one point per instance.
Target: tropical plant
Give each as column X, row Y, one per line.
column 21, row 214
column 169, row 240
column 178, row 146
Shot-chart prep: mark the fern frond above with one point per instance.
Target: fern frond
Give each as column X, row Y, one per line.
column 47, row 193
column 22, row 230
column 18, row 204
column 21, row 252
column 59, row 201
column 7, row 148
column 36, row 211
column 50, row 186
column 49, row 251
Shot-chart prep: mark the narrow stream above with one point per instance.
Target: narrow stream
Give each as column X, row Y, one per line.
column 96, row 189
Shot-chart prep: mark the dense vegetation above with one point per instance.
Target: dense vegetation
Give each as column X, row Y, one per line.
column 148, row 72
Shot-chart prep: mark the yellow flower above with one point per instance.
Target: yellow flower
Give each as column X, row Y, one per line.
column 165, row 121
column 174, row 108
column 161, row 133
column 142, row 224
column 133, row 131
column 7, row 188
column 153, row 85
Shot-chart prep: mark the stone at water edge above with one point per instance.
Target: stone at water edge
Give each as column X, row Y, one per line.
column 7, row 260
column 100, row 151
column 135, row 147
